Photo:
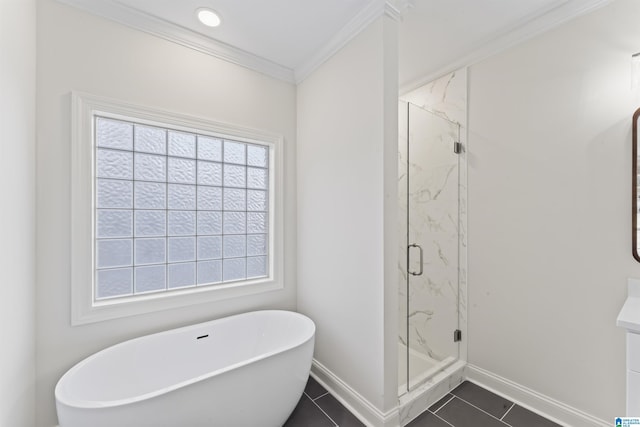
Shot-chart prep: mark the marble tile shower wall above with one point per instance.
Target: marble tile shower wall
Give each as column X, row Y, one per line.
column 438, row 219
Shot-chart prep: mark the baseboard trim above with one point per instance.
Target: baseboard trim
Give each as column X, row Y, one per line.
column 364, row 410
column 536, row 402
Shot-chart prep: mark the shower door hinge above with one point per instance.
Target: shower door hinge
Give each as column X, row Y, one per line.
column 457, row 147
column 457, row 335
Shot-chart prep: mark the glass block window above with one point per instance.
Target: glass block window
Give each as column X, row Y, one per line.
column 176, row 209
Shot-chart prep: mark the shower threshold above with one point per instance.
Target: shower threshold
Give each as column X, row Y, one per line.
column 421, row 368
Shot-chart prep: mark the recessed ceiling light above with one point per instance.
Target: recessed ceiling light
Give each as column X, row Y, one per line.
column 208, row 17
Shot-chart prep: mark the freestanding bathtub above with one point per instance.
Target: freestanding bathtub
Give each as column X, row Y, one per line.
column 247, row 370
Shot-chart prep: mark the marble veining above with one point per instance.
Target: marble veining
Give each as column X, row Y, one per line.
column 432, row 201
column 432, row 390
column 446, row 97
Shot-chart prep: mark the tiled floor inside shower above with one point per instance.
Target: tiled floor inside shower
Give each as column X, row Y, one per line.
column 469, row 405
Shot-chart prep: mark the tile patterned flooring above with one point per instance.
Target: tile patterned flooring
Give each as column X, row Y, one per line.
column 469, row 405
column 317, row 408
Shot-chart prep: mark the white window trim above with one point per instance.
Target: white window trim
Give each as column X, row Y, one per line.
column 83, row 307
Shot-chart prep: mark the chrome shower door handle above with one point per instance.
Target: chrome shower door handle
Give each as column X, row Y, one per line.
column 419, row 272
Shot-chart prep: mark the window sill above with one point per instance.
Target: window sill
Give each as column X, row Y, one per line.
column 85, row 311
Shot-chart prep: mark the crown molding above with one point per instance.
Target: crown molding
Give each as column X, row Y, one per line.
column 134, row 18
column 138, row 20
column 525, row 29
column 394, row 9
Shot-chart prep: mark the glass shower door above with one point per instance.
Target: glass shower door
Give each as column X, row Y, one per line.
column 432, row 244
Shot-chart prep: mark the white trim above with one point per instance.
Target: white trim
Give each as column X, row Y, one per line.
column 83, row 308
column 526, row 28
column 396, row 9
column 417, row 401
column 523, row 30
column 526, row 398
column 536, row 402
column 359, row 406
column 134, row 18
column 139, row 20
column 376, row 9
column 411, row 405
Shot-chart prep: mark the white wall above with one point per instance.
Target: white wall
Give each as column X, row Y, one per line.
column 77, row 51
column 550, row 209
column 17, row 212
column 347, row 172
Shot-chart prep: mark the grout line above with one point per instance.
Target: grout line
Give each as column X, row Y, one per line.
column 439, row 417
column 482, row 410
column 322, row 395
column 443, row 405
column 508, row 410
column 325, row 414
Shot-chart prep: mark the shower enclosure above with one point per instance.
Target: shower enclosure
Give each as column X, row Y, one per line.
column 429, row 262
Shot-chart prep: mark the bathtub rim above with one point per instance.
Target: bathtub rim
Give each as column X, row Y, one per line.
column 62, row 398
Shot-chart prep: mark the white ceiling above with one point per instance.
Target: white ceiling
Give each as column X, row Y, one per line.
column 288, row 39
column 282, row 31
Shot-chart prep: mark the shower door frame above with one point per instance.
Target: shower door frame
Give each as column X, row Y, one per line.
column 460, row 298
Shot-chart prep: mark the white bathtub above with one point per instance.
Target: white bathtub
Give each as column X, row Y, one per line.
column 246, row 370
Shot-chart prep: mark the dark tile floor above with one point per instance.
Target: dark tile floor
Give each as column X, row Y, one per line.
column 317, row 408
column 469, row 405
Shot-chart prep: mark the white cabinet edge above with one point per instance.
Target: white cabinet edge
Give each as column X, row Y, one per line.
column 629, row 316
